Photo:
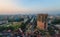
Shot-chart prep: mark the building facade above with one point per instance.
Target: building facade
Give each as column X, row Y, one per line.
column 42, row 21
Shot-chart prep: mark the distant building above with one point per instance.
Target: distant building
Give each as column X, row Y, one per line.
column 42, row 21
column 57, row 17
column 58, row 26
column 4, row 22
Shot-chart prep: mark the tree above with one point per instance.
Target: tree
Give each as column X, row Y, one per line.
column 10, row 27
column 23, row 26
column 51, row 30
column 2, row 28
column 56, row 21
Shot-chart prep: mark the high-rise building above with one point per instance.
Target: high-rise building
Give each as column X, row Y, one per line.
column 42, row 21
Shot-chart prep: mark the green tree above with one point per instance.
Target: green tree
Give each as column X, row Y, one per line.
column 51, row 30
column 2, row 28
column 56, row 21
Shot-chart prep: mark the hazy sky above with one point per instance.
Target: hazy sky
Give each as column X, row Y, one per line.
column 29, row 6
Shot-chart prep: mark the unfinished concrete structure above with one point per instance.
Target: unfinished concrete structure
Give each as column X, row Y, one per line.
column 42, row 21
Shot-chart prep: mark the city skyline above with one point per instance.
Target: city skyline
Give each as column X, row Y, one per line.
column 29, row 6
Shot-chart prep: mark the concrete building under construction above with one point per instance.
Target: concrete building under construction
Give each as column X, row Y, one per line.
column 42, row 21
